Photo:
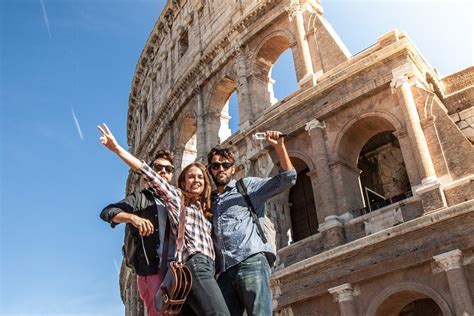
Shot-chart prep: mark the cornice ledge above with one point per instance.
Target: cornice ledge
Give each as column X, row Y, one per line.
column 355, row 246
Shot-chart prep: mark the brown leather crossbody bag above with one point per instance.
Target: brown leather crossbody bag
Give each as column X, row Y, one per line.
column 176, row 277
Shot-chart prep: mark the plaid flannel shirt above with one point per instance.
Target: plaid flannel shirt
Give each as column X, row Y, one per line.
column 197, row 229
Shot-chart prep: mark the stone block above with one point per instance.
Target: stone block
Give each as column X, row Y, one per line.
column 455, row 117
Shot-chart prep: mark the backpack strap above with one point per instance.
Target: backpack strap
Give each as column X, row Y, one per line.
column 243, row 190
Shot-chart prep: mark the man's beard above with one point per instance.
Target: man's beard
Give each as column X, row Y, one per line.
column 221, row 181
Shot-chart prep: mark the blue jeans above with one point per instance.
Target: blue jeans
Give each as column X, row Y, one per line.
column 205, row 297
column 246, row 286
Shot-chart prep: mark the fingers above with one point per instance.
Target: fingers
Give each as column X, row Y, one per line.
column 100, row 129
column 107, row 128
column 272, row 135
column 145, row 227
column 104, row 129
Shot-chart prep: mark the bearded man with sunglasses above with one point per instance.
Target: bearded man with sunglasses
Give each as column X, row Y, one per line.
column 244, row 256
column 145, row 215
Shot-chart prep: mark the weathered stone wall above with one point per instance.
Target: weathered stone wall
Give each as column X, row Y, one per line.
column 200, row 52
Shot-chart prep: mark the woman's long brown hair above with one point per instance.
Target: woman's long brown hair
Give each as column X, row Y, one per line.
column 205, row 197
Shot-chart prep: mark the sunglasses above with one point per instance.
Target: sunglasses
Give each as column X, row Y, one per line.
column 217, row 165
column 157, row 167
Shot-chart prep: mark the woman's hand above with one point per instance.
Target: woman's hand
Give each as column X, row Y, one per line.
column 108, row 139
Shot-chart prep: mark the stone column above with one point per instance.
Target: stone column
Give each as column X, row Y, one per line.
column 451, row 263
column 318, row 144
column 344, row 295
column 278, row 211
column 330, row 226
column 295, row 11
column 246, row 112
column 401, row 83
column 178, row 159
column 201, row 145
column 213, row 123
column 430, row 189
column 408, row 159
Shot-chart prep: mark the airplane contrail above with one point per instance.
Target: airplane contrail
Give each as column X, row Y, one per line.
column 116, row 267
column 77, row 123
column 45, row 17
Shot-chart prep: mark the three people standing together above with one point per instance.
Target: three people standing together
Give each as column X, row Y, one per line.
column 221, row 235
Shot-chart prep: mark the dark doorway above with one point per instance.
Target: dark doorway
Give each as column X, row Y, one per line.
column 304, row 219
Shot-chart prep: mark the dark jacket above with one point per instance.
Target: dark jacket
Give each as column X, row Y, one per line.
column 147, row 205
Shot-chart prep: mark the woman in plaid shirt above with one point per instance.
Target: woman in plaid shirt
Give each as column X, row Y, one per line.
column 194, row 185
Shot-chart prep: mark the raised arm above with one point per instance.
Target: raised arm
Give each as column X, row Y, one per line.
column 108, row 140
column 171, row 195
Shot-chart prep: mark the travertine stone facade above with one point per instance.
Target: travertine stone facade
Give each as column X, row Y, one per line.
column 382, row 143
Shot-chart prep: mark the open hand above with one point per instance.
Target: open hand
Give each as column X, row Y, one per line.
column 107, row 138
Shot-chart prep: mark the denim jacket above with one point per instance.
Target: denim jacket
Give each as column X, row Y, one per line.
column 235, row 235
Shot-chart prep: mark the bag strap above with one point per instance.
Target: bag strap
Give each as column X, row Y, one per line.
column 243, row 190
column 180, row 238
column 164, row 251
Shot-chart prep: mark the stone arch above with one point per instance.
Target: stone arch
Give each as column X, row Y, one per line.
column 407, row 292
column 360, row 162
column 186, row 146
column 265, row 55
column 378, row 120
column 282, row 35
column 303, row 156
column 218, row 109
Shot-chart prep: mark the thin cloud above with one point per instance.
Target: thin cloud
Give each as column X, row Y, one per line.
column 77, row 123
column 45, row 18
column 116, row 267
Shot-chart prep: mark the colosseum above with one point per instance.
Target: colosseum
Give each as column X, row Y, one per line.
column 381, row 219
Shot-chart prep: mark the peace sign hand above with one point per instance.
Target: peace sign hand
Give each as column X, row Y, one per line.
column 108, row 139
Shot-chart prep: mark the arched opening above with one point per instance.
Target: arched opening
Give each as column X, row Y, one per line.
column 186, row 149
column 383, row 176
column 371, row 165
column 409, row 303
column 266, row 64
column 304, row 219
column 233, row 112
column 421, row 307
column 283, row 75
column 219, row 118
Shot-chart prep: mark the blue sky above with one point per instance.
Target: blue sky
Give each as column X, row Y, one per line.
column 66, row 66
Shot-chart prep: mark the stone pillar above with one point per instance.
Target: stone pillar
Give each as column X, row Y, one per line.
column 178, row 159
column 213, row 123
column 401, row 83
column 430, row 190
column 318, row 144
column 246, row 112
column 344, row 295
column 201, row 145
column 330, row 227
column 278, row 211
column 295, row 11
column 408, row 159
column 451, row 263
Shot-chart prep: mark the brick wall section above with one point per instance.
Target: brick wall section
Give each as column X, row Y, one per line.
column 465, row 121
column 458, row 80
